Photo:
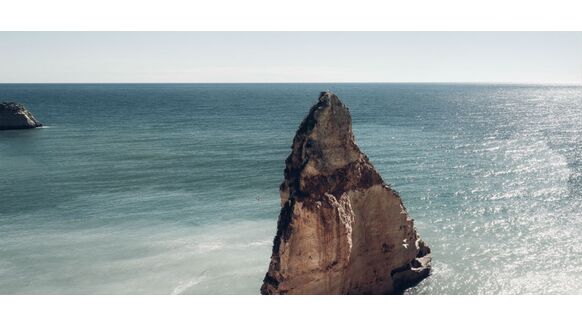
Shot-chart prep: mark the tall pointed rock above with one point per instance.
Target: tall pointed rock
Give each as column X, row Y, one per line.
column 341, row 229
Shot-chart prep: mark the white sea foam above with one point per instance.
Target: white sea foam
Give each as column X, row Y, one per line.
column 182, row 287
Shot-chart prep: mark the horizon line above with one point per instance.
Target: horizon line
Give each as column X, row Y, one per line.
column 325, row 82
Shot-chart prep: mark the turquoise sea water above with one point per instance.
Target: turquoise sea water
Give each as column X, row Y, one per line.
column 161, row 189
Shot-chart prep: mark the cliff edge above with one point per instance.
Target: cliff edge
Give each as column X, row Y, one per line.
column 16, row 116
column 341, row 229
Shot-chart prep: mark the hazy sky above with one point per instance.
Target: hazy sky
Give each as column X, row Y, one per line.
column 528, row 57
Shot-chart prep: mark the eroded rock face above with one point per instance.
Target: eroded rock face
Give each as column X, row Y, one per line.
column 16, row 116
column 341, row 229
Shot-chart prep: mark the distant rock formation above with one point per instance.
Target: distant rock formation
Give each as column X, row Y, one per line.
column 16, row 116
column 341, row 229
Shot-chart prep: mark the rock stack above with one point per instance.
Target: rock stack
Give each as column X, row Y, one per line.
column 16, row 116
column 341, row 229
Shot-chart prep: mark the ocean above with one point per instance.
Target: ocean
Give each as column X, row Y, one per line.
column 173, row 188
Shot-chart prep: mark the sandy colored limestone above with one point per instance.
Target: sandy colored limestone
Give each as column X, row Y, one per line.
column 341, row 229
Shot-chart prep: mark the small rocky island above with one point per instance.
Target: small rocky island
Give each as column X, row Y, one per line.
column 15, row 116
column 341, row 229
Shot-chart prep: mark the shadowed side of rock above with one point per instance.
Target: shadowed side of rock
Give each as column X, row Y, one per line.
column 15, row 116
column 341, row 229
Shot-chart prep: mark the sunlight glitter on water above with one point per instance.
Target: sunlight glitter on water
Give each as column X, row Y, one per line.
column 187, row 203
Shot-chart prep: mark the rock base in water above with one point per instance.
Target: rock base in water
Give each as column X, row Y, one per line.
column 15, row 116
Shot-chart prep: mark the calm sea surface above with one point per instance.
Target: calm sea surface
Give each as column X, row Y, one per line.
column 173, row 189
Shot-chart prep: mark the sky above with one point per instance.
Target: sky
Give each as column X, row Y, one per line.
column 214, row 57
